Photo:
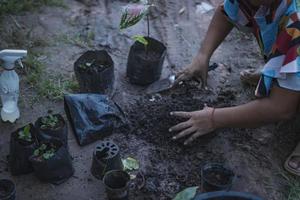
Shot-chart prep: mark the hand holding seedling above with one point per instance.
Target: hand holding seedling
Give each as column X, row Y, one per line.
column 196, row 70
column 199, row 123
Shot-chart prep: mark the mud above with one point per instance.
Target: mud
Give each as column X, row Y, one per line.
column 60, row 36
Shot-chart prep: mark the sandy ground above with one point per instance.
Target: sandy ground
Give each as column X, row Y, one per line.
column 256, row 155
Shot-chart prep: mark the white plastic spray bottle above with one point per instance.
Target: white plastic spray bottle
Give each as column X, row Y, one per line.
column 9, row 84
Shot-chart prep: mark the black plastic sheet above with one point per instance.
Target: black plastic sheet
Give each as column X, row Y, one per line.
column 92, row 116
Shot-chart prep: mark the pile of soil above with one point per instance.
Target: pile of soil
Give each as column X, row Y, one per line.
column 167, row 166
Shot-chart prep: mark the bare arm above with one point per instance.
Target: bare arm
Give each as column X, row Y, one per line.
column 281, row 105
column 217, row 31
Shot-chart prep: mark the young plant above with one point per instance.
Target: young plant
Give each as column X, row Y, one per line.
column 49, row 122
column 44, row 152
column 187, row 194
column 25, row 134
column 134, row 13
column 86, row 65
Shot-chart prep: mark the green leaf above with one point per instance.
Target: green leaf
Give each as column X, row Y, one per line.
column 36, row 152
column 132, row 14
column 27, row 130
column 140, row 39
column 187, row 194
column 25, row 134
column 48, row 154
column 130, row 164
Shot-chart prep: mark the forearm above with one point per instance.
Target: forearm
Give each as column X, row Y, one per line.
column 250, row 115
column 218, row 29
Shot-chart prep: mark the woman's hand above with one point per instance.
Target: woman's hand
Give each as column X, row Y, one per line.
column 196, row 70
column 199, row 123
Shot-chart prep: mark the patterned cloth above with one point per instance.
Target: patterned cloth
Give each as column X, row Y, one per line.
column 277, row 30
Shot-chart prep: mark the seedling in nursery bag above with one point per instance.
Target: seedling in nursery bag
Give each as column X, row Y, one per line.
column 94, row 71
column 50, row 122
column 52, row 163
column 22, row 145
column 44, row 152
column 146, row 55
column 25, row 134
column 52, row 126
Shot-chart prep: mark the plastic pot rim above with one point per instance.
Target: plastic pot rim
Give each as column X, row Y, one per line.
column 228, row 194
column 116, row 171
column 12, row 185
column 95, row 52
column 203, row 179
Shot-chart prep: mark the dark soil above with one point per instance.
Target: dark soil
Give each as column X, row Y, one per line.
column 149, row 55
column 217, row 178
column 117, row 183
column 92, row 65
column 5, row 190
column 170, row 166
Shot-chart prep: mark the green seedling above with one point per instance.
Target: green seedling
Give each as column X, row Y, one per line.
column 134, row 13
column 86, row 65
column 25, row 134
column 187, row 194
column 49, row 122
column 44, row 152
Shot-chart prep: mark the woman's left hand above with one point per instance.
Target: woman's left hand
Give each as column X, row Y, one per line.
column 199, row 123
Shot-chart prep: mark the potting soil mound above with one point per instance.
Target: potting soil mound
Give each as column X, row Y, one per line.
column 167, row 166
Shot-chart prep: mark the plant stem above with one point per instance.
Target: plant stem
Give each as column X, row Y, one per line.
column 148, row 25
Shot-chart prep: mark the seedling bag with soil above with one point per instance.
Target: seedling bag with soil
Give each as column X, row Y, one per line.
column 52, row 162
column 22, row 146
column 52, row 127
column 146, row 56
column 94, row 71
column 92, row 116
column 145, row 61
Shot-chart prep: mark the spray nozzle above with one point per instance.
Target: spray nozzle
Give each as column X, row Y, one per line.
column 10, row 56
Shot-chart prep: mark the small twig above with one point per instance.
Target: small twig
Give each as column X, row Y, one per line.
column 148, row 25
column 143, row 180
column 16, row 22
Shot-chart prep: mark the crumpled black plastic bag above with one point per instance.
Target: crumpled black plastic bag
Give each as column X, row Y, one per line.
column 92, row 116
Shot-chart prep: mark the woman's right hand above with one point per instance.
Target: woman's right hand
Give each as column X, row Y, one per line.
column 197, row 70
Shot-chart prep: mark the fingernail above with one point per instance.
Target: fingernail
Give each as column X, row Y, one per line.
column 171, row 113
column 170, row 130
column 174, row 138
column 185, row 143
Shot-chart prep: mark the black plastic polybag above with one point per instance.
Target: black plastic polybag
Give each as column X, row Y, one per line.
column 20, row 151
column 92, row 116
column 55, row 170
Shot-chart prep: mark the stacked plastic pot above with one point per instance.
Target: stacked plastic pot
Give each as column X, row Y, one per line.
column 42, row 148
column 107, row 166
